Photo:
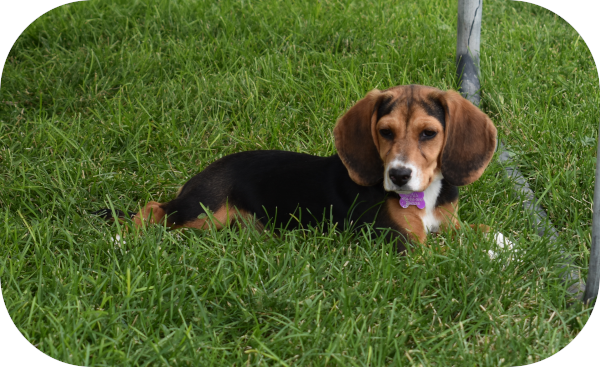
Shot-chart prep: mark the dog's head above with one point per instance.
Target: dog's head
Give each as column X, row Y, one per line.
column 412, row 135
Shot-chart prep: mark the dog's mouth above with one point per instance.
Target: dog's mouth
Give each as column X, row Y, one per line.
column 396, row 192
column 399, row 190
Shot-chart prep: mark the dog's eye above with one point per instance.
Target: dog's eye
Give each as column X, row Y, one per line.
column 428, row 134
column 386, row 133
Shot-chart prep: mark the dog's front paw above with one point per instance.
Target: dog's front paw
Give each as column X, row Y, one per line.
column 118, row 240
column 502, row 243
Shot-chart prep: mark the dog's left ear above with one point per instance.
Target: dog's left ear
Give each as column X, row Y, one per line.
column 470, row 140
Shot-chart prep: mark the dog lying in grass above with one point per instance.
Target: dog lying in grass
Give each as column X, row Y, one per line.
column 402, row 154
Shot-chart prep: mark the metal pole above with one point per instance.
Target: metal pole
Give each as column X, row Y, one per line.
column 467, row 70
column 467, row 48
column 593, row 279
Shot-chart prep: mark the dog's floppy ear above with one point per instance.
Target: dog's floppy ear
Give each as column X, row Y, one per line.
column 470, row 140
column 356, row 139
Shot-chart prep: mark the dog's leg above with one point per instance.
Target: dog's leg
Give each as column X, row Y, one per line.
column 414, row 226
column 221, row 218
column 406, row 223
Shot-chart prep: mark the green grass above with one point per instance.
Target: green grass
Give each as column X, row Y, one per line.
column 118, row 103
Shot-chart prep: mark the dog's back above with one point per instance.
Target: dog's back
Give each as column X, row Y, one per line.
column 287, row 189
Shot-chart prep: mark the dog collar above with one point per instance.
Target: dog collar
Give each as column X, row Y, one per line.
column 414, row 198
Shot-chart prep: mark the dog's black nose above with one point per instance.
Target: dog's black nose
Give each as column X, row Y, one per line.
column 400, row 176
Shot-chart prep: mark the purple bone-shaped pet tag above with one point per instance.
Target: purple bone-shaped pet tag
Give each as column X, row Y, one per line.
column 414, row 198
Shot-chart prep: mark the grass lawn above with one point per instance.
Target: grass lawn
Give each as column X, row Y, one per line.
column 120, row 102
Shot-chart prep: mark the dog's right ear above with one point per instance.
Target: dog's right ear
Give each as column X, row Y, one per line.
column 356, row 140
column 470, row 140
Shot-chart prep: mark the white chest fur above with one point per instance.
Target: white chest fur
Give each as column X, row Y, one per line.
column 430, row 222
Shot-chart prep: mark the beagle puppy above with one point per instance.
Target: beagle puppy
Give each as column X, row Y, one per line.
column 402, row 153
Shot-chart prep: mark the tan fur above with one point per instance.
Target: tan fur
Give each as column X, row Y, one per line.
column 152, row 213
column 222, row 218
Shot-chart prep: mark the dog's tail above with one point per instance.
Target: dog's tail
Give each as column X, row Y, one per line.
column 107, row 214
